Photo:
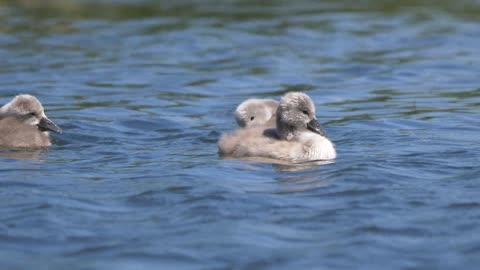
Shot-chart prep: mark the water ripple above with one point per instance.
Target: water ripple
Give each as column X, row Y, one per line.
column 144, row 89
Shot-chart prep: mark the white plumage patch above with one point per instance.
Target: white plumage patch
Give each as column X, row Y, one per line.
column 317, row 147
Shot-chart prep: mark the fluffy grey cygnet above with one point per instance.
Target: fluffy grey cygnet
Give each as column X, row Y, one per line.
column 23, row 123
column 298, row 137
column 255, row 112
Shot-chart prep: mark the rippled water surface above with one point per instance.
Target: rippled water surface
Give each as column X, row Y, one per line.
column 144, row 89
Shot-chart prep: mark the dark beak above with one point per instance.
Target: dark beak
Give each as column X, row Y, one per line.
column 46, row 124
column 314, row 126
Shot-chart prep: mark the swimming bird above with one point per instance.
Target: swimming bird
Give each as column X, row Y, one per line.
column 23, row 123
column 298, row 137
column 255, row 112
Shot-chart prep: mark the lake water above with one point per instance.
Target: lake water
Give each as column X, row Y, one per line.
column 144, row 89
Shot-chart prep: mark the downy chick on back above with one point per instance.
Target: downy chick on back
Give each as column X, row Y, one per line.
column 255, row 112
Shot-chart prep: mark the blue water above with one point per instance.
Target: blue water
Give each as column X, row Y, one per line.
column 144, row 89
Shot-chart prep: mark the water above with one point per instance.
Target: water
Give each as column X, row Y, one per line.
column 143, row 90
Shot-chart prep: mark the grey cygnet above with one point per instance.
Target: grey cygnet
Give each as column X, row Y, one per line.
column 255, row 112
column 298, row 136
column 23, row 123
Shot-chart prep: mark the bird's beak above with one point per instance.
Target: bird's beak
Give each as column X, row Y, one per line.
column 314, row 126
column 46, row 124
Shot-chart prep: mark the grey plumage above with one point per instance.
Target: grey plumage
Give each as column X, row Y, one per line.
column 256, row 113
column 296, row 138
column 23, row 123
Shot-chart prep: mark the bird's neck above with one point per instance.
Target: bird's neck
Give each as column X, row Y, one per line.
column 286, row 132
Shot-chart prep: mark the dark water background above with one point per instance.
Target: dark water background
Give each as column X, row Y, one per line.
column 143, row 90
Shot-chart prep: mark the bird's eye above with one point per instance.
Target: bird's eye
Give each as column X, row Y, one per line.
column 252, row 117
column 305, row 112
column 32, row 114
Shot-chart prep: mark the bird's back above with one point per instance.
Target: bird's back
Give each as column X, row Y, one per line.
column 260, row 142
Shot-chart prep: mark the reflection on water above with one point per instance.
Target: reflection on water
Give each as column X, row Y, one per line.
column 143, row 90
column 23, row 154
column 310, row 178
column 283, row 166
column 301, row 166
